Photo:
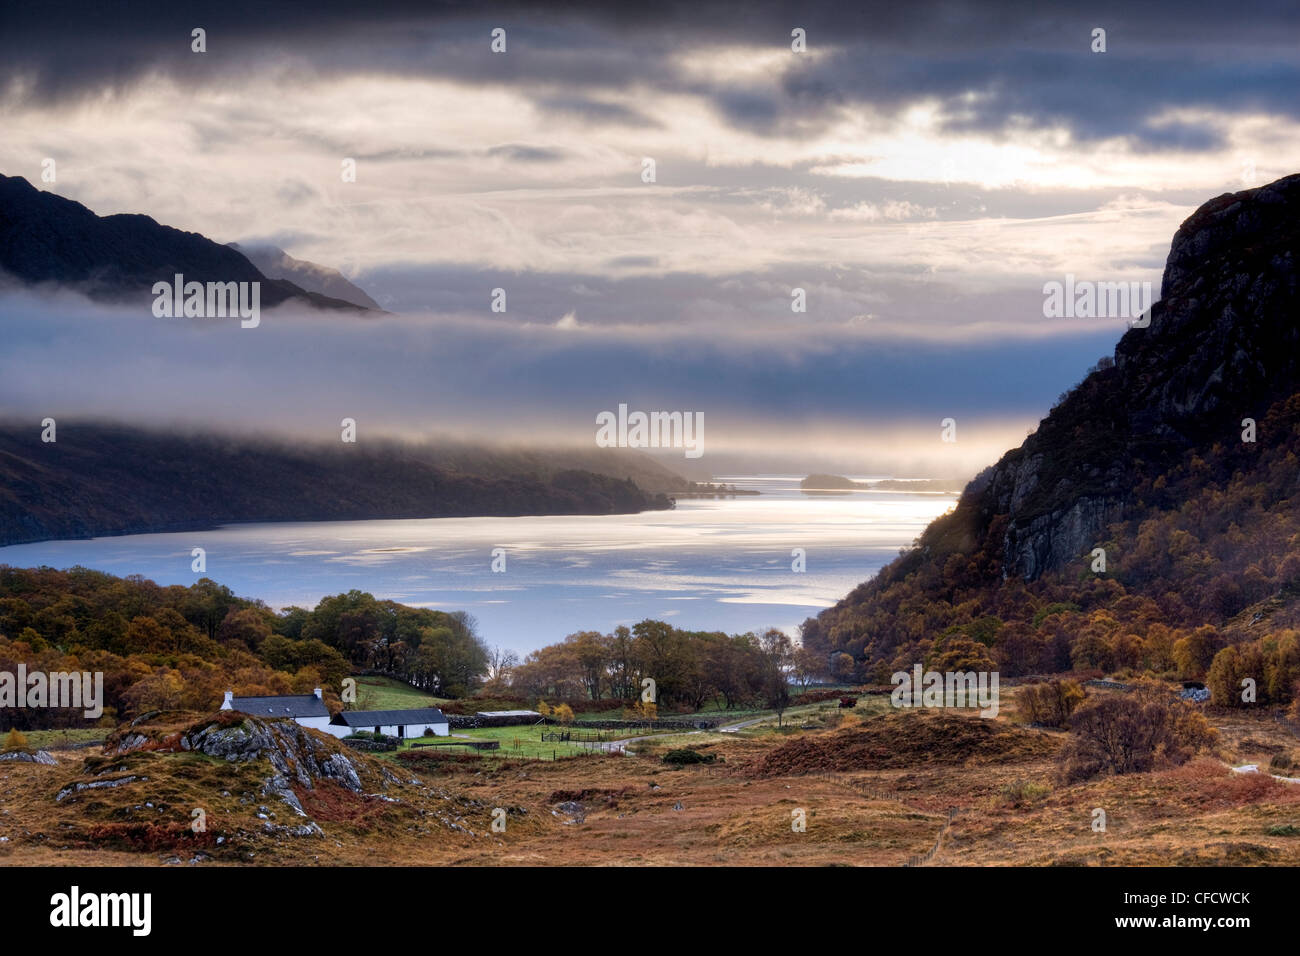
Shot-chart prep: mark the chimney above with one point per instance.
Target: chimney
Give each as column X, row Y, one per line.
column 226, row 704
column 318, row 693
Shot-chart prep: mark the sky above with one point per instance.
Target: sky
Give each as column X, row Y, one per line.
column 920, row 171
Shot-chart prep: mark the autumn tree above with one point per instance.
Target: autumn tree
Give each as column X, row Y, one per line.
column 1051, row 703
column 1021, row 650
column 960, row 654
column 778, row 657
column 843, row 666
column 1194, row 653
column 501, row 664
column 1229, row 673
column 808, row 666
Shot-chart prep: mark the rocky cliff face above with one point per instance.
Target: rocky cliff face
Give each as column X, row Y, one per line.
column 1221, row 347
column 1145, row 457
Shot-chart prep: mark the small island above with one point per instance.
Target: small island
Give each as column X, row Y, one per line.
column 837, row 483
column 707, row 489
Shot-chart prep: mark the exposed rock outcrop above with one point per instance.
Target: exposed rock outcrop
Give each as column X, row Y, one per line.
column 1128, row 444
column 1223, row 343
column 22, row 756
column 296, row 753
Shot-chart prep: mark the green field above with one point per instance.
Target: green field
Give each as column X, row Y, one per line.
column 529, row 743
column 523, row 741
column 798, row 718
column 815, row 716
column 384, row 693
column 714, row 709
column 37, row 739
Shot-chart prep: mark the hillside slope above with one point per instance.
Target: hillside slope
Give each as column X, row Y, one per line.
column 108, row 479
column 1144, row 458
column 45, row 238
column 181, row 787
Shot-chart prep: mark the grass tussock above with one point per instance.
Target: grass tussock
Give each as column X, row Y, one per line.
column 903, row 740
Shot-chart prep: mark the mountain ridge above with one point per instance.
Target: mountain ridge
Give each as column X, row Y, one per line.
column 48, row 238
column 1155, row 429
column 275, row 263
column 110, row 479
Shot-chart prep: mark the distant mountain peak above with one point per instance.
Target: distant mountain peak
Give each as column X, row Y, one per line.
column 275, row 263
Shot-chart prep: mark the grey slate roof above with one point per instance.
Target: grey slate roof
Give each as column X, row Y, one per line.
column 385, row 718
column 291, row 705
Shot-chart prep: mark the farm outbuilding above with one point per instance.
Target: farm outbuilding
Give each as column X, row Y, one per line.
column 309, row 710
column 403, row 724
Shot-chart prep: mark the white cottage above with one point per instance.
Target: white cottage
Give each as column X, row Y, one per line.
column 306, row 709
column 403, row 724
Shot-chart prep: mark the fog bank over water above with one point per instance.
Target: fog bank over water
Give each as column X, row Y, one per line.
column 834, row 397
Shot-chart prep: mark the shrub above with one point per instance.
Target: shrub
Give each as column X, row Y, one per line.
column 1284, row 829
column 428, row 732
column 1023, row 792
column 15, row 740
column 1147, row 729
column 642, row 710
column 1050, row 704
column 685, row 756
column 1282, row 764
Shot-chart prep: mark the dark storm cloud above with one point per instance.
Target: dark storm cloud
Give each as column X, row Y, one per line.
column 1023, row 65
column 594, row 111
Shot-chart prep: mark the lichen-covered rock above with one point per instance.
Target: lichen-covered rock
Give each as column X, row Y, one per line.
column 94, row 785
column 297, row 754
column 22, row 756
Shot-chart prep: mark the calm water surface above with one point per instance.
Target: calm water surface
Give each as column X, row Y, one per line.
column 715, row 564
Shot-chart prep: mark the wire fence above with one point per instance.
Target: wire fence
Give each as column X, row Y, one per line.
column 923, row 858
